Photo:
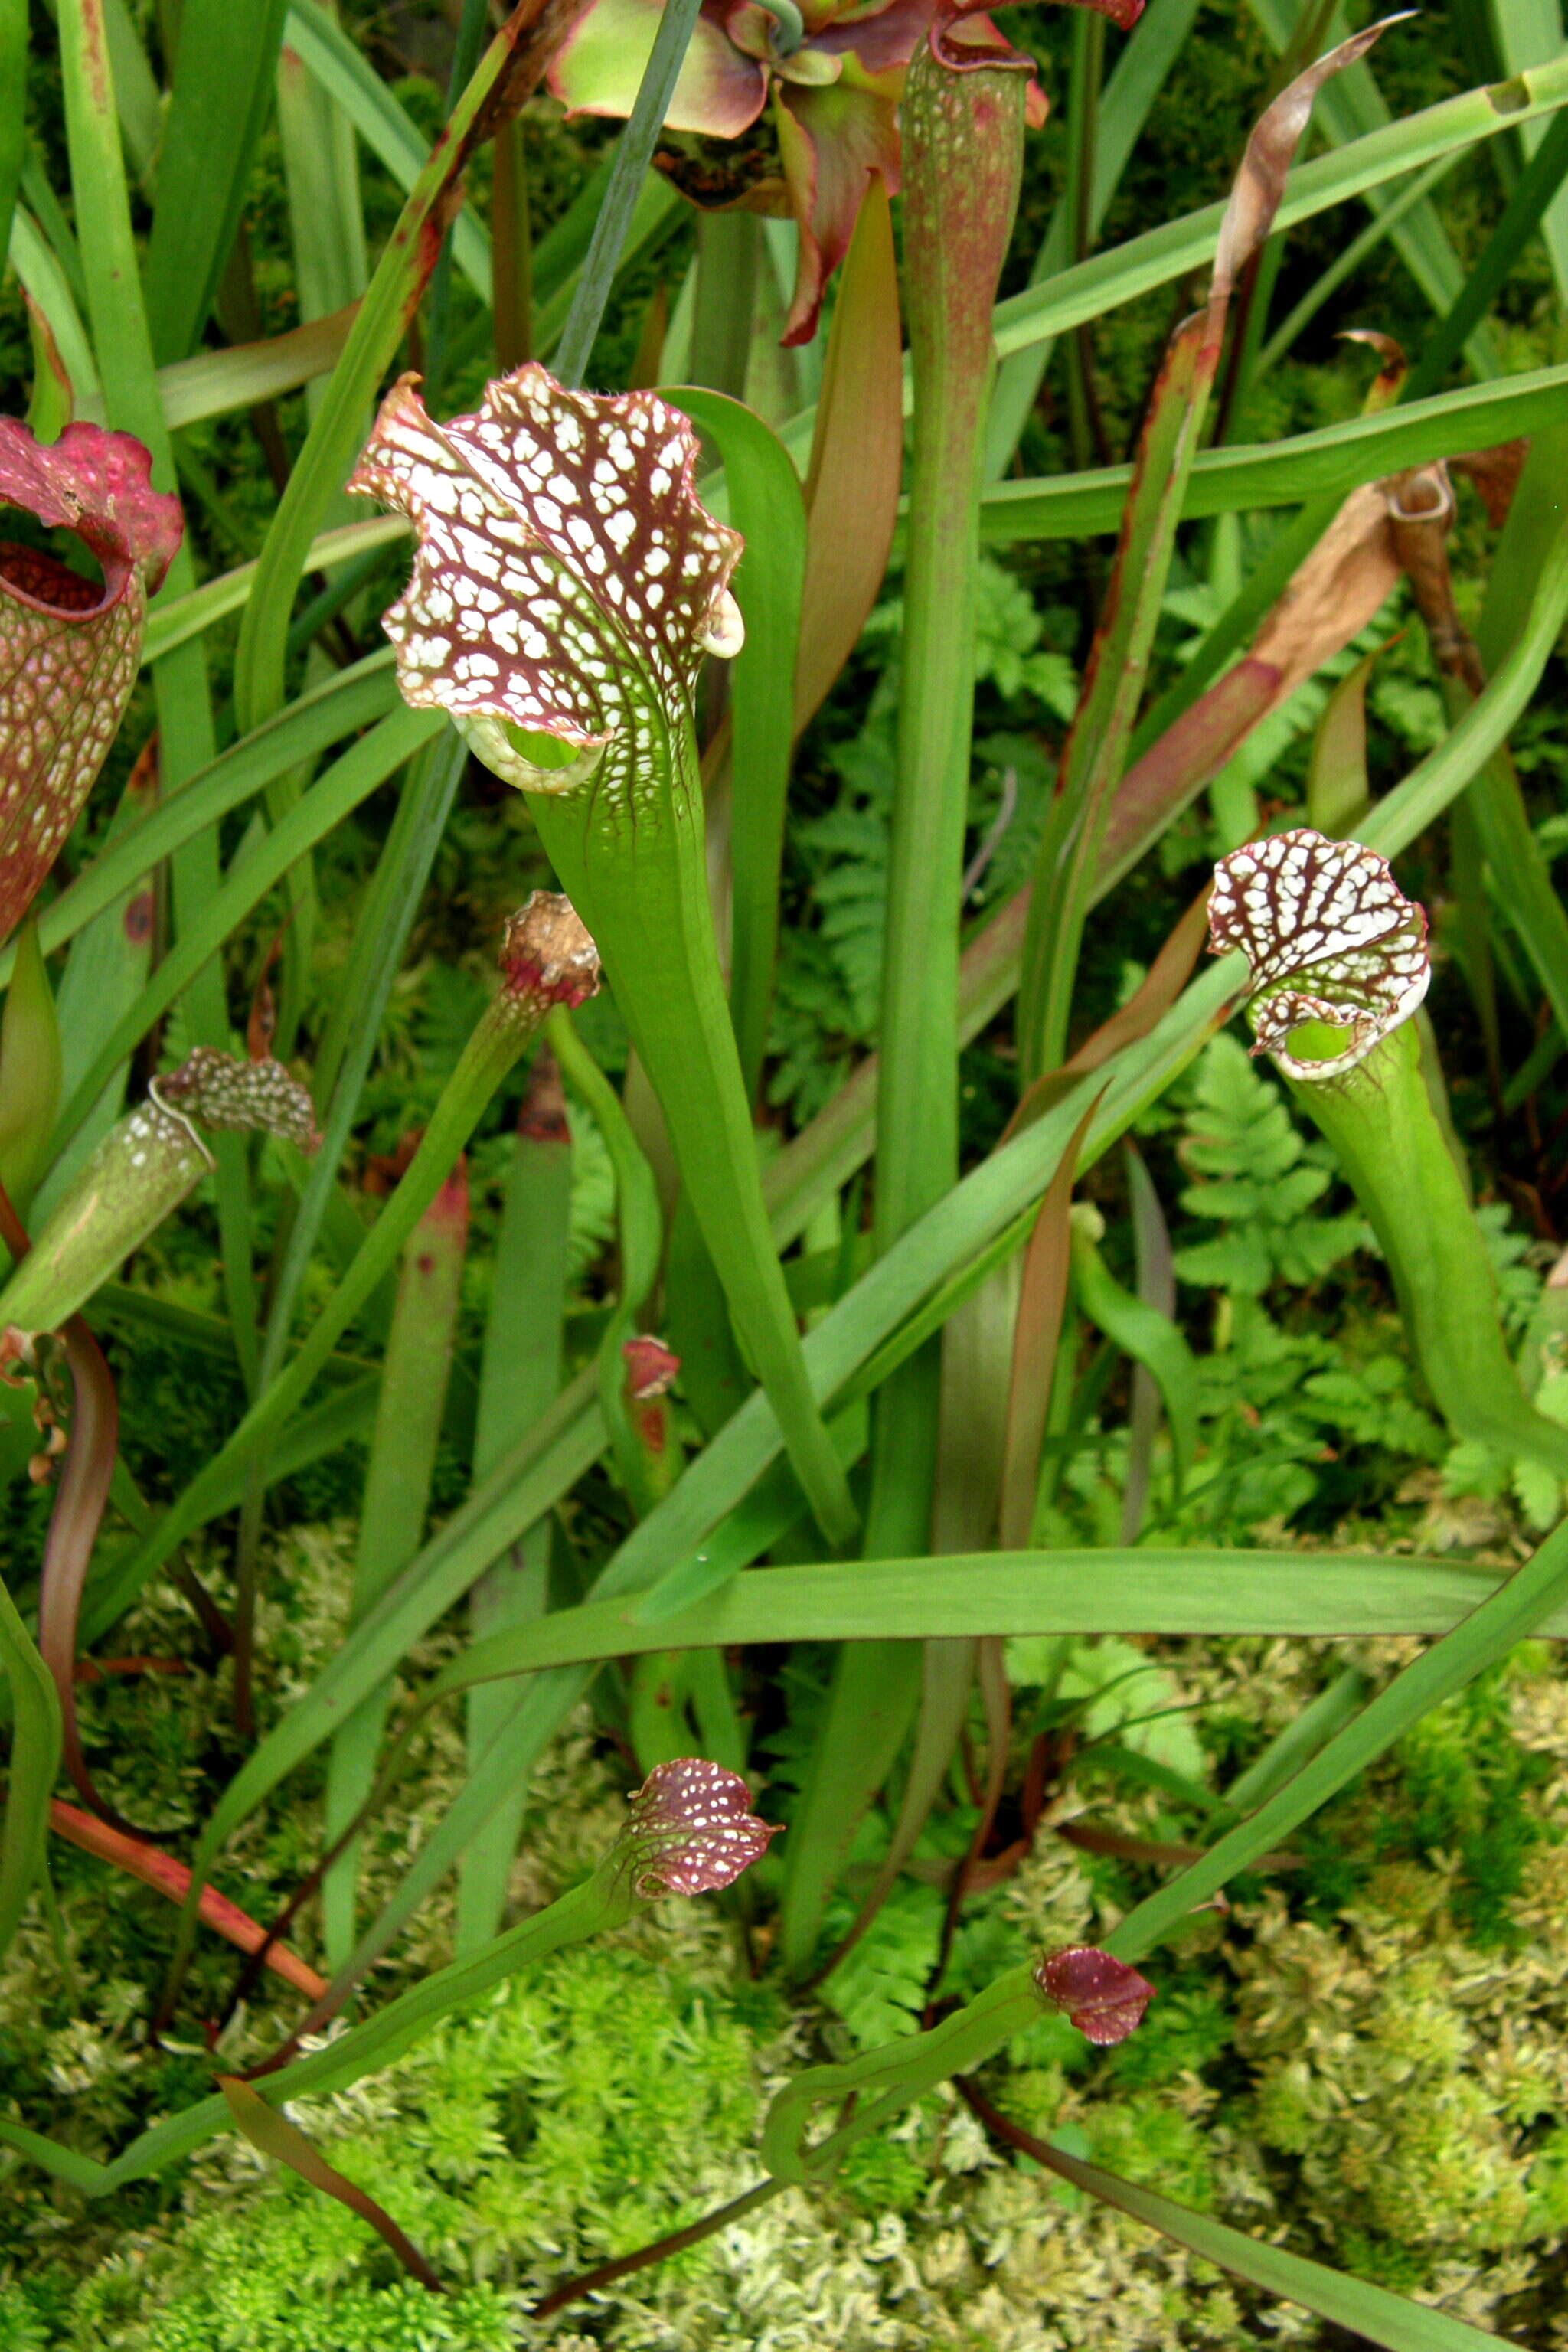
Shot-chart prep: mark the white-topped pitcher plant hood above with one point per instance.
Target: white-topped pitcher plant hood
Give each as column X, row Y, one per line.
column 567, row 585
column 1330, row 939
column 568, row 580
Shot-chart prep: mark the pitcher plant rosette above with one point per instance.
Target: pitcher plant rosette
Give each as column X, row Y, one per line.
column 828, row 73
column 567, row 583
column 69, row 645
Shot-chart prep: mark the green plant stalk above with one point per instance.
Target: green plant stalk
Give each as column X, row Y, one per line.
column 1536, row 189
column 1140, row 75
column 187, row 740
column 347, row 1043
column 572, row 1433
column 36, row 1743
column 326, row 214
column 221, row 93
column 1192, row 1592
column 767, row 508
column 1378, row 1118
column 414, row 1373
column 688, row 1521
column 959, row 1230
column 634, row 153
column 1160, row 256
column 503, row 1030
column 962, row 147
column 639, row 882
column 105, row 972
column 1095, row 755
column 727, row 245
column 1373, row 2313
column 1516, row 1610
column 758, row 1520
column 640, row 1234
column 511, row 239
column 1356, row 108
column 389, row 302
column 471, row 27
column 343, row 1059
column 367, row 106
column 360, row 771
column 31, row 1069
column 520, row 1377
column 591, row 1909
column 1345, row 263
column 12, row 109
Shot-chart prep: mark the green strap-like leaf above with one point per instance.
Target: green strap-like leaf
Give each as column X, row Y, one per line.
column 35, row 1761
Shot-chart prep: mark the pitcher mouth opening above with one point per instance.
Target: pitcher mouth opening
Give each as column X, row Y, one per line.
column 40, row 578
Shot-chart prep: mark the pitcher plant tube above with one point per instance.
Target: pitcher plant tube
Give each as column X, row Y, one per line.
column 830, row 76
column 1339, row 961
column 69, row 645
column 567, row 585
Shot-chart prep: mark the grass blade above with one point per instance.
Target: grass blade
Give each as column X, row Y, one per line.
column 766, row 508
column 519, row 1377
column 1129, row 98
column 413, row 1378
column 274, row 2135
column 857, row 458
column 363, row 99
column 512, row 65
column 355, row 699
column 1352, row 111
column 187, row 740
column 12, row 108
column 36, row 1741
column 633, row 156
column 1373, row 2312
column 220, row 98
column 352, row 780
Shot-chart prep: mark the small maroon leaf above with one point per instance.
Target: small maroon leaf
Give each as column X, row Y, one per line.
column 219, row 1092
column 568, row 580
column 651, row 1369
column 1102, row 1997
column 690, row 1830
column 1331, row 937
column 68, row 649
